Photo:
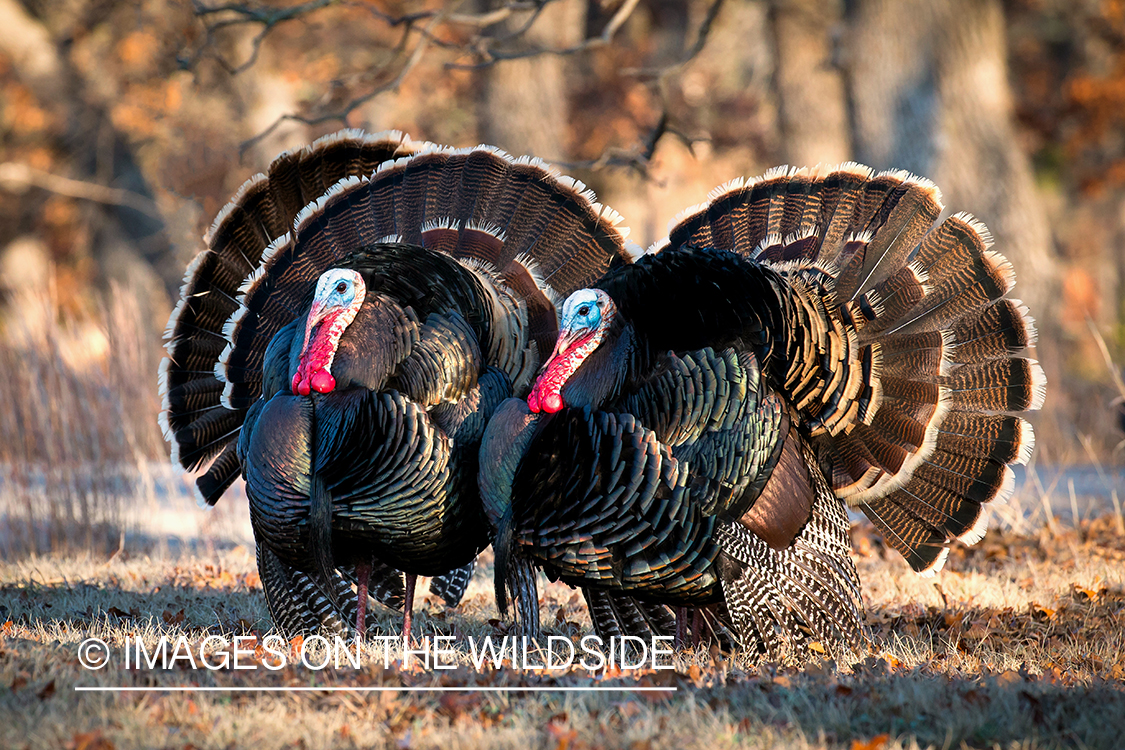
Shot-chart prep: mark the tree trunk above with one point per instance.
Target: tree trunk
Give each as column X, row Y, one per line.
column 810, row 87
column 523, row 107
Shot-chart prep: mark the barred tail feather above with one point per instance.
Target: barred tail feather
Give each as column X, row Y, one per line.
column 781, row 600
column 451, row 586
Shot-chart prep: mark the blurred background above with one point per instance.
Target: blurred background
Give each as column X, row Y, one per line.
column 125, row 126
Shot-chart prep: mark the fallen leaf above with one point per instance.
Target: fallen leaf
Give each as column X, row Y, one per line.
column 563, row 734
column 1007, row 677
column 875, row 743
column 89, row 741
column 46, row 691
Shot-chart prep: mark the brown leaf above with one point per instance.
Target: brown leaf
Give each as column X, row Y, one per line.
column 46, row 691
column 1007, row 677
column 875, row 743
column 558, row 731
column 89, row 741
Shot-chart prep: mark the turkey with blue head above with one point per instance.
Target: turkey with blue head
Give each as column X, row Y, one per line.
column 359, row 313
column 804, row 343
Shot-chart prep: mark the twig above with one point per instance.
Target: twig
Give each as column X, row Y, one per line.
column 700, row 42
column 485, row 49
column 1045, row 499
column 492, row 56
column 1073, row 502
column 342, row 113
column 1109, row 363
column 1117, row 512
column 16, row 177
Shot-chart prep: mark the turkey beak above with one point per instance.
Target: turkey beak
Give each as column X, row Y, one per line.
column 316, row 314
column 565, row 340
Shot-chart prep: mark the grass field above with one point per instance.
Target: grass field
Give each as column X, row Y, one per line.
column 1020, row 642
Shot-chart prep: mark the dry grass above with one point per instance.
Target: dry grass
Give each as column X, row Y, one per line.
column 1019, row 643
column 80, row 418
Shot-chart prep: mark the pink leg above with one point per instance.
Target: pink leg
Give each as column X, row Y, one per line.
column 362, row 573
column 408, row 608
column 681, row 627
column 697, row 623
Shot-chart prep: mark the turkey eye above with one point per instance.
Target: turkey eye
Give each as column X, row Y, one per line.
column 584, row 310
column 341, row 287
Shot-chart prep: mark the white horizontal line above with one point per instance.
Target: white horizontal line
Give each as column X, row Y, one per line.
column 306, row 689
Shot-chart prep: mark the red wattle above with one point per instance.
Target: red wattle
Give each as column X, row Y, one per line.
column 322, row 381
column 552, row 403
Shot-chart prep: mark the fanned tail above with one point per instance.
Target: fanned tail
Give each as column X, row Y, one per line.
column 901, row 349
column 530, row 235
column 193, row 418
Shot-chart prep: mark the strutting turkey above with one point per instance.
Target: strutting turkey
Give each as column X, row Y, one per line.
column 358, row 313
column 804, row 342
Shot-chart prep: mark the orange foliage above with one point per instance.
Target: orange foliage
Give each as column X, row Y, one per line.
column 138, row 50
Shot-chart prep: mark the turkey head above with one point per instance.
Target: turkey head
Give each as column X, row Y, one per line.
column 339, row 294
column 590, row 355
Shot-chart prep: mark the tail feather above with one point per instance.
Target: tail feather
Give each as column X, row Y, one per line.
column 998, row 385
column 998, row 330
column 219, row 476
column 602, row 616
column 923, row 544
column 451, row 586
column 903, row 351
column 780, row 600
column 904, row 214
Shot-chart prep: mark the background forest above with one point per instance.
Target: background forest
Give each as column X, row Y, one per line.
column 126, row 125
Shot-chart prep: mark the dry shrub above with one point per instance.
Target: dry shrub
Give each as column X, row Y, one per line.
column 79, row 419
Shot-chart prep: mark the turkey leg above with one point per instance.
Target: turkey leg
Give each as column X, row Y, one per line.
column 408, row 608
column 362, row 573
column 681, row 627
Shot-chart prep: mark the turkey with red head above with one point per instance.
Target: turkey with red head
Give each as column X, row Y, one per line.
column 803, row 343
column 358, row 314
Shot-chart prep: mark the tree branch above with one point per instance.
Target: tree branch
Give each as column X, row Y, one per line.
column 487, row 51
column 16, row 178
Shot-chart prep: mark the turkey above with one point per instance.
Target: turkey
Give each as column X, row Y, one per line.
column 805, row 342
column 359, row 312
